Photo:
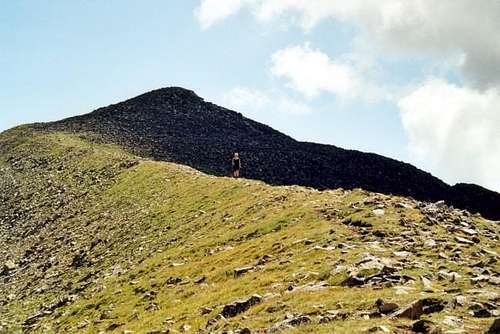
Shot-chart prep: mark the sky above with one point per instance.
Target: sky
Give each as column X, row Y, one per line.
column 417, row 81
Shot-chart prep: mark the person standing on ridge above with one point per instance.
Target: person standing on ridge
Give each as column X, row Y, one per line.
column 236, row 164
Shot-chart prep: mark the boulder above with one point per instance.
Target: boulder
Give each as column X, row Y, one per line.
column 243, row 270
column 244, row 331
column 416, row 309
column 240, row 306
column 464, row 241
column 429, row 243
column 412, row 311
column 379, row 329
column 426, row 326
column 8, row 267
column 495, row 327
column 173, row 280
column 352, row 281
column 386, row 308
column 290, row 322
column 458, row 301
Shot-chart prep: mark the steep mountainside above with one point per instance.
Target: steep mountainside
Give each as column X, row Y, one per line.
column 174, row 124
column 94, row 239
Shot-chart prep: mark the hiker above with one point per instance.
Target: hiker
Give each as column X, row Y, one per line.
column 236, row 164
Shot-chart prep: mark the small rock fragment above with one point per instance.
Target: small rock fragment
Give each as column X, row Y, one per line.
column 426, row 326
column 243, row 270
column 353, row 281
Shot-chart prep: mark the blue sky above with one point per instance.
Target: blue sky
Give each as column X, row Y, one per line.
column 378, row 76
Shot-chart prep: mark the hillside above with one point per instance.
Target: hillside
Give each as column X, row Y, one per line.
column 176, row 125
column 96, row 239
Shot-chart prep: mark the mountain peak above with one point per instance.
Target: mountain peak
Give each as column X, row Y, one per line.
column 174, row 124
column 169, row 95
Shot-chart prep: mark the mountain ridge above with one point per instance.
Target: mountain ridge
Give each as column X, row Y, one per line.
column 94, row 239
column 175, row 124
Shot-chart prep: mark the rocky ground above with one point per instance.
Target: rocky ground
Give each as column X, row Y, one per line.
column 175, row 125
column 96, row 240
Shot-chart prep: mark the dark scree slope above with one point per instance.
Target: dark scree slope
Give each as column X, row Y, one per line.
column 174, row 124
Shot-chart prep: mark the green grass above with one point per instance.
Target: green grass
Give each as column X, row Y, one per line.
column 157, row 220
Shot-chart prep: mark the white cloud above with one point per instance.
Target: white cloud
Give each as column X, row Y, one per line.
column 254, row 102
column 454, row 127
column 212, row 11
column 311, row 72
column 457, row 129
column 419, row 27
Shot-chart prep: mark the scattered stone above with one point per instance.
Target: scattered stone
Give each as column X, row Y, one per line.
column 386, row 308
column 468, row 231
column 214, row 321
column 403, row 290
column 352, row 281
column 494, row 280
column 290, row 322
column 114, row 326
column 34, row 319
column 173, row 280
column 443, row 256
column 452, row 276
column 429, row 243
column 412, row 311
column 206, row 310
column 8, row 267
column 356, row 223
column 458, row 301
column 479, row 279
column 464, row 241
column 176, row 264
column 185, row 328
column 482, row 313
column 264, row 259
column 152, row 307
column 416, row 309
column 495, row 327
column 200, row 280
column 379, row 328
column 427, row 284
column 452, row 321
column 401, row 254
column 237, row 307
column 426, row 326
column 243, row 270
column 80, row 259
column 331, row 316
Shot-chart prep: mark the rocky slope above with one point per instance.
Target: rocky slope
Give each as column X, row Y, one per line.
column 174, row 124
column 95, row 239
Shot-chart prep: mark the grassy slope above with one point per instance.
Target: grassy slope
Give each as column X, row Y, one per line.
column 141, row 222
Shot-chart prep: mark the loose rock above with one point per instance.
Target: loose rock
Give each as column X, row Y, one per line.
column 237, row 307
